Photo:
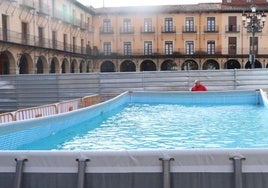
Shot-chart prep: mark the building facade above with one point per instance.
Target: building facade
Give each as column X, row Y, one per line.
column 64, row 36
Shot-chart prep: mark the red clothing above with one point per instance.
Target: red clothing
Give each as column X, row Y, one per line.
column 199, row 87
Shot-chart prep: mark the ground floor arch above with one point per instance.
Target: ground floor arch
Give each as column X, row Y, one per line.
column 257, row 64
column 210, row 64
column 169, row 65
column 147, row 65
column 107, row 66
column 189, row 65
column 65, row 67
column 54, row 66
column 25, row 64
column 232, row 64
column 127, row 66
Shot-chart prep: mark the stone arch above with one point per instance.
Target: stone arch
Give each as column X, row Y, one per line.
column 65, row 67
column 232, row 64
column 25, row 64
column 211, row 64
column 169, row 65
column 107, row 66
column 82, row 66
column 41, row 65
column 7, row 63
column 127, row 66
column 54, row 66
column 147, row 65
column 89, row 66
column 74, row 67
column 257, row 65
column 189, row 65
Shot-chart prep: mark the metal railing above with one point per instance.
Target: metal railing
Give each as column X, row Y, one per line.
column 50, row 109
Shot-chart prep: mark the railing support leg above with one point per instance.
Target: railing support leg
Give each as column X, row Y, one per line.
column 82, row 163
column 166, row 171
column 19, row 172
column 237, row 162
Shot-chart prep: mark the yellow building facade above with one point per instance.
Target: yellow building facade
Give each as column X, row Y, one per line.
column 64, row 36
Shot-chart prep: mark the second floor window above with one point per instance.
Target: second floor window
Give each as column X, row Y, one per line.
column 107, row 26
column 168, row 47
column 54, row 39
column 232, row 25
column 147, row 25
column 189, row 24
column 168, row 25
column 232, row 45
column 41, row 36
column 24, row 32
column 107, row 48
column 211, row 47
column 127, row 48
column 189, row 47
column 127, row 26
column 211, row 24
column 148, row 48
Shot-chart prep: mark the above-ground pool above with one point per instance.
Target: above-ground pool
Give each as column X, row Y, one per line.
column 149, row 139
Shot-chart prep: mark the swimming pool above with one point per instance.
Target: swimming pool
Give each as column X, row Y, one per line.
column 167, row 168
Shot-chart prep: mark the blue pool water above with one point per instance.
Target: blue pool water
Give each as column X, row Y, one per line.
column 140, row 126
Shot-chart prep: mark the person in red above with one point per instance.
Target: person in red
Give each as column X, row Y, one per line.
column 198, row 86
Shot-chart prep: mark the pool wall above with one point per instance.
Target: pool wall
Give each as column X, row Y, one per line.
column 194, row 168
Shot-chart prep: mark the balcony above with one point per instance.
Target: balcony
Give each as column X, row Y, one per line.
column 187, row 29
column 232, row 28
column 25, row 39
column 147, row 30
column 106, row 30
column 171, row 29
column 127, row 30
column 211, row 29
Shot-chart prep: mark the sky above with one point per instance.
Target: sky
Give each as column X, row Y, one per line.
column 118, row 3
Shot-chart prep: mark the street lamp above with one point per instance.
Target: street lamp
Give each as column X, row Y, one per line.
column 253, row 22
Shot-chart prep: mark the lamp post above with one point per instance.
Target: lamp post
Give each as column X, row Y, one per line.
column 253, row 22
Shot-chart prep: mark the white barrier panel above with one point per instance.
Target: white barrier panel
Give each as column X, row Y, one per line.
column 6, row 117
column 67, row 106
column 36, row 112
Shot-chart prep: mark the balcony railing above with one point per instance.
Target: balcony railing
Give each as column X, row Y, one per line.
column 28, row 3
column 106, row 30
column 127, row 30
column 187, row 29
column 31, row 40
column 232, row 28
column 208, row 29
column 165, row 29
column 147, row 30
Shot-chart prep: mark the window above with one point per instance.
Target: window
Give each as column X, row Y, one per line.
column 211, row 24
column 232, row 45
column 229, row 1
column 148, row 48
column 168, row 47
column 41, row 36
column 189, row 24
column 107, row 28
column 127, row 26
column 249, row 1
column 74, row 44
column 65, row 42
column 107, row 48
column 148, row 25
column 24, row 32
column 127, row 48
column 232, row 27
column 211, row 47
column 54, row 39
column 168, row 25
column 4, row 26
column 83, row 46
column 189, row 47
